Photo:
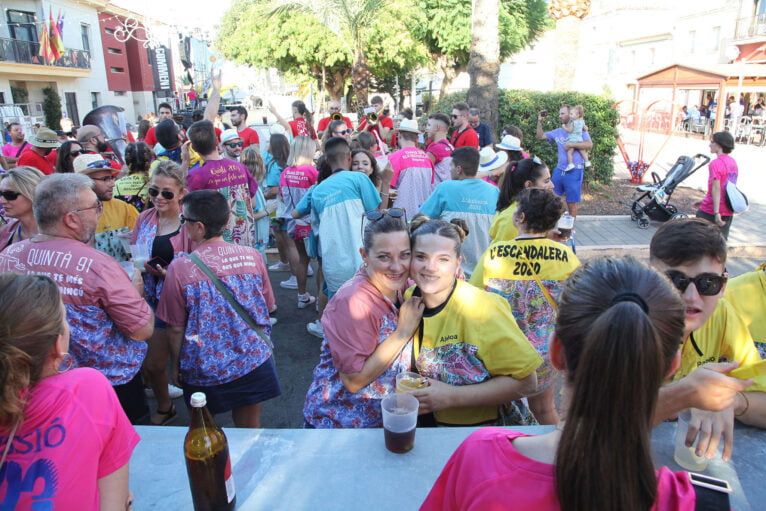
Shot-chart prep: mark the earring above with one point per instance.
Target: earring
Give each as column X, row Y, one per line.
column 67, row 362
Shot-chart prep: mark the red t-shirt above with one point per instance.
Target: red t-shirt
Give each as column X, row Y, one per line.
column 301, row 129
column 248, row 135
column 323, row 123
column 45, row 164
column 151, row 139
column 384, row 121
column 466, row 138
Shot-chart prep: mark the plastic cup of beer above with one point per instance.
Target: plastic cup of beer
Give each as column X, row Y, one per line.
column 140, row 254
column 565, row 226
column 685, row 456
column 407, row 382
column 400, row 416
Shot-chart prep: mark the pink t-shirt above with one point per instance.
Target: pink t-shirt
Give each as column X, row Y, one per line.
column 74, row 433
column 11, row 150
column 442, row 151
column 413, row 178
column 294, row 182
column 487, row 472
column 102, row 305
column 722, row 169
column 218, row 345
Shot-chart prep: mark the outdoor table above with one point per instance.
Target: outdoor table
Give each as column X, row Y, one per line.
column 297, row 469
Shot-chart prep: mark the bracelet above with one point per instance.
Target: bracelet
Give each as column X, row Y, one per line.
column 747, row 404
column 384, row 194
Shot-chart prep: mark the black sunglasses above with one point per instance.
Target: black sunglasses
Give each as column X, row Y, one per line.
column 234, row 144
column 707, row 284
column 154, row 192
column 376, row 214
column 454, row 116
column 75, row 154
column 9, row 195
column 184, row 219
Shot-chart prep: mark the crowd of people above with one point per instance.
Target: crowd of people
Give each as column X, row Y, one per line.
column 435, row 253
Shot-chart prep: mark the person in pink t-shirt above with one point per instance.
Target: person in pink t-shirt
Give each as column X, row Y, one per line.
column 619, row 321
column 722, row 170
column 213, row 348
column 439, row 150
column 65, row 440
column 413, row 170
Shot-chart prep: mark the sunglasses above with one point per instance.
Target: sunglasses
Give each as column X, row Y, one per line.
column 75, row 154
column 9, row 195
column 344, row 132
column 234, row 144
column 454, row 116
column 154, row 192
column 376, row 214
column 707, row 284
column 184, row 219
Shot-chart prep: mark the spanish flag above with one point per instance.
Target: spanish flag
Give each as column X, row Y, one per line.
column 46, row 52
column 57, row 45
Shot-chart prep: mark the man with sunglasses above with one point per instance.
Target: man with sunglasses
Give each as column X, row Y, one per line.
column 118, row 217
column 692, row 253
column 334, row 107
column 463, row 135
column 109, row 319
column 232, row 144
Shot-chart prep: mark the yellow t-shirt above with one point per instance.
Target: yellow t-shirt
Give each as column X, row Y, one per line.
column 467, row 340
column 502, row 228
column 747, row 294
column 118, row 217
column 723, row 338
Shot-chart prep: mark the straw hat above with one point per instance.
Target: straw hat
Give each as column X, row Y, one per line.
column 44, row 138
column 509, row 143
column 87, row 132
column 89, row 163
column 410, row 125
column 490, row 160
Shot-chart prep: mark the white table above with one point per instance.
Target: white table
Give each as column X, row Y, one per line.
column 349, row 469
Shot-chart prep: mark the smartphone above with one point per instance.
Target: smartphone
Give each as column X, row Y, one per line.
column 543, row 113
column 151, row 264
column 711, row 483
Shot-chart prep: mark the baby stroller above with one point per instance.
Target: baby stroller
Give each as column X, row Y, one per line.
column 653, row 202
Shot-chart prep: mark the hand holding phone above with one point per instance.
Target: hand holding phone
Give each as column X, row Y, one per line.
column 156, row 265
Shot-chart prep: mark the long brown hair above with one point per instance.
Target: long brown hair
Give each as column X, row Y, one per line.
column 620, row 324
column 26, row 342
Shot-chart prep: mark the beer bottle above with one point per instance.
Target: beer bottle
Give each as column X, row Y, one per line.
column 207, row 460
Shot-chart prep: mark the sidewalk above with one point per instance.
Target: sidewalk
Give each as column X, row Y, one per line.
column 618, row 235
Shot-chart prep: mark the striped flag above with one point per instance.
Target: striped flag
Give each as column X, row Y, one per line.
column 57, row 44
column 46, row 52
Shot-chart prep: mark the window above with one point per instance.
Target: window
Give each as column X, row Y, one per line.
column 109, row 31
column 119, row 93
column 2, row 98
column 85, row 30
column 715, row 39
column 651, row 56
column 95, row 99
column 114, row 51
column 692, row 40
column 22, row 25
column 117, row 69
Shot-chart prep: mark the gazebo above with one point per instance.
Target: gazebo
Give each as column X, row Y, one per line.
column 726, row 79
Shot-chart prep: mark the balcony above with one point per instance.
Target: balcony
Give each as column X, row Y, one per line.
column 751, row 27
column 18, row 56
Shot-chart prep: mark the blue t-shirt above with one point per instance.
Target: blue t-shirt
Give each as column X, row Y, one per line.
column 473, row 200
column 485, row 134
column 337, row 205
column 560, row 136
column 273, row 170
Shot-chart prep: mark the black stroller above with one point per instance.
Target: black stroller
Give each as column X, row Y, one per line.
column 653, row 201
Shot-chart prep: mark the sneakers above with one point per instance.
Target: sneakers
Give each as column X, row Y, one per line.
column 305, row 300
column 280, row 266
column 310, row 271
column 569, row 167
column 291, row 283
column 273, row 320
column 315, row 329
column 174, row 392
column 587, row 163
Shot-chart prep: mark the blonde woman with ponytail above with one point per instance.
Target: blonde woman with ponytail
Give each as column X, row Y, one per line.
column 64, row 439
column 468, row 345
column 617, row 335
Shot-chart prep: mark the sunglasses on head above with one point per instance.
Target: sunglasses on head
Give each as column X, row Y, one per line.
column 9, row 195
column 707, row 284
column 99, row 164
column 234, row 144
column 154, row 192
column 376, row 214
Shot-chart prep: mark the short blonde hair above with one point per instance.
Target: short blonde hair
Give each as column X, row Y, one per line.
column 25, row 179
column 579, row 109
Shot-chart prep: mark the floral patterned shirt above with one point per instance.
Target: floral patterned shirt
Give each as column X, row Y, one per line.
column 218, row 346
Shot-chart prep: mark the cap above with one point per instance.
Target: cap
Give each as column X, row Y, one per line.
column 44, row 138
column 489, row 159
column 198, row 399
column 229, row 135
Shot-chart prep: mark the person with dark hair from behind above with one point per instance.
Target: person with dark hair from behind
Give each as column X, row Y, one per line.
column 468, row 344
column 133, row 187
column 529, row 271
column 109, row 319
column 337, row 205
column 527, row 173
column 439, row 149
column 481, row 128
column 213, row 348
column 143, row 128
column 164, row 112
column 714, row 207
column 170, row 137
column 238, row 116
column 692, row 254
column 465, row 197
column 86, row 466
column 405, row 114
column 413, row 172
column 599, row 456
column 229, row 177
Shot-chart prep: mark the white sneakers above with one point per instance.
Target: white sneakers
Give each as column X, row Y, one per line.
column 174, row 392
column 305, row 300
column 279, row 266
column 315, row 329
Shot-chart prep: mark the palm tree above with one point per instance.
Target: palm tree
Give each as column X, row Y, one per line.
column 568, row 15
column 350, row 21
column 484, row 61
